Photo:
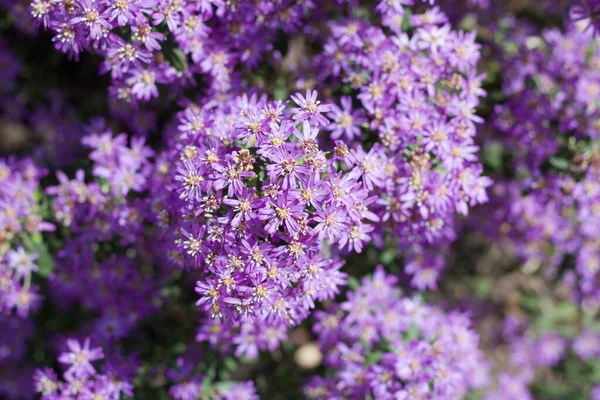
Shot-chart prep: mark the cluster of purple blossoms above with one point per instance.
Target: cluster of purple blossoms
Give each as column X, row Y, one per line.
column 105, row 263
column 192, row 386
column 124, row 167
column 531, row 352
column 145, row 43
column 81, row 380
column 382, row 345
column 551, row 209
column 263, row 203
column 417, row 90
column 20, row 225
column 256, row 204
column 15, row 370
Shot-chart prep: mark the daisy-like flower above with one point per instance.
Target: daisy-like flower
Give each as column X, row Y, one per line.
column 310, row 109
column 192, row 177
column 93, row 16
column 330, row 223
column 46, row 382
column 79, row 358
column 346, row 123
column 22, row 262
column 587, row 11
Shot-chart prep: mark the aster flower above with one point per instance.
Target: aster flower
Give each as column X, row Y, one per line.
column 79, row 358
column 46, row 382
column 21, row 262
column 346, row 122
column 239, row 390
column 310, row 109
column 94, row 17
column 587, row 11
column 587, row 345
column 374, row 312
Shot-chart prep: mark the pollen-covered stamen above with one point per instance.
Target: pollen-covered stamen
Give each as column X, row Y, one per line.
column 257, row 256
column 273, row 272
column 307, row 194
column 376, row 91
column 282, row 212
column 80, row 358
column 259, row 292
column 128, row 53
column 288, row 166
column 24, row 298
column 193, row 246
column 330, row 220
column 144, row 31
column 91, row 16
column 244, row 206
column 40, row 8
column 366, row 166
column 296, row 248
column 311, row 107
column 346, row 120
column 236, row 262
column 122, row 4
column 232, row 173
column 193, row 181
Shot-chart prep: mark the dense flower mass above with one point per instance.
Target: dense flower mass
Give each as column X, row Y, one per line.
column 280, row 199
column 256, row 200
column 147, row 44
column 550, row 120
column 382, row 345
column 81, row 380
column 21, row 225
column 417, row 90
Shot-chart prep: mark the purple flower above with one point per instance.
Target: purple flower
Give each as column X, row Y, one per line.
column 46, row 382
column 550, row 349
column 345, row 123
column 79, row 358
column 21, row 262
column 587, row 345
column 278, row 212
column 310, row 108
column 239, row 391
column 93, row 17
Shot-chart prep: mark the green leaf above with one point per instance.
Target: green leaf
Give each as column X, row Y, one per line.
column 555, row 389
column 411, row 333
column 388, row 256
column 406, row 24
column 353, row 283
column 175, row 57
column 483, row 287
column 492, row 154
column 373, row 357
column 562, row 164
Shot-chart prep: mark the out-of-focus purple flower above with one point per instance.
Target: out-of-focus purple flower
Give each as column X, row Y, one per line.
column 79, row 358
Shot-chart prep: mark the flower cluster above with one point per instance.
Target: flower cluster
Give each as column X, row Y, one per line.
column 145, row 43
column 382, row 345
column 191, row 386
column 531, row 352
column 81, row 380
column 20, row 225
column 255, row 199
column 417, row 91
column 124, row 167
column 550, row 124
column 276, row 152
column 103, row 264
